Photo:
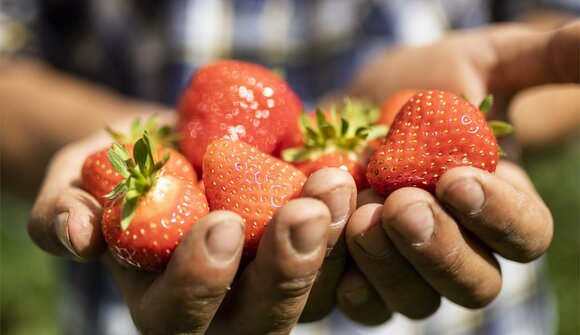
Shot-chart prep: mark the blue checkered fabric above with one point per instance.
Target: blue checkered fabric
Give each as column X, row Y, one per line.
column 149, row 49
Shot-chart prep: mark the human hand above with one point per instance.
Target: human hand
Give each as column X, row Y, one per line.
column 414, row 247
column 197, row 293
column 65, row 221
column 500, row 60
column 457, row 262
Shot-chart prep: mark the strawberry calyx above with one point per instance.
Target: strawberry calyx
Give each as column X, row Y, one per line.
column 498, row 128
column 140, row 174
column 346, row 129
column 163, row 135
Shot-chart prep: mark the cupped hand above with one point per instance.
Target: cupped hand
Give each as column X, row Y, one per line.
column 197, row 293
column 189, row 295
column 413, row 247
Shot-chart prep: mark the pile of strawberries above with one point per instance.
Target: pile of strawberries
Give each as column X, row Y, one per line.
column 246, row 146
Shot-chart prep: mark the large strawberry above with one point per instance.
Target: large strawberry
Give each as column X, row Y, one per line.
column 435, row 131
column 151, row 210
column 240, row 101
column 339, row 138
column 241, row 178
column 98, row 176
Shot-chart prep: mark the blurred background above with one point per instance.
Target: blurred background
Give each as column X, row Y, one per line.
column 30, row 279
column 547, row 120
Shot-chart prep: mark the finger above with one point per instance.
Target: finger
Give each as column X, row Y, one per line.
column 185, row 298
column 358, row 300
column 525, row 58
column 68, row 223
column 399, row 285
column 65, row 220
column 335, row 188
column 277, row 283
column 449, row 259
column 503, row 210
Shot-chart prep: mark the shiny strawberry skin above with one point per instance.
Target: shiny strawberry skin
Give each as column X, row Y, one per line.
column 178, row 163
column 240, row 178
column 435, row 131
column 241, row 101
column 99, row 178
column 162, row 217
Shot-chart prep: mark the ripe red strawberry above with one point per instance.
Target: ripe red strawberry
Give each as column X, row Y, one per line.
column 240, row 101
column 151, row 210
column 340, row 138
column 99, row 178
column 240, row 178
column 347, row 161
column 393, row 104
column 435, row 131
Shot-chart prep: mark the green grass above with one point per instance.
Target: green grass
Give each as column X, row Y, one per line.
column 29, row 277
column 556, row 174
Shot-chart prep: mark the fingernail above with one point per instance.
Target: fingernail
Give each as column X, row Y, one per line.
column 61, row 228
column 356, row 297
column 223, row 240
column 338, row 202
column 307, row 237
column 374, row 241
column 465, row 196
column 415, row 224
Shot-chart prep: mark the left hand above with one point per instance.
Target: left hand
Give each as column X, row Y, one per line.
column 414, row 247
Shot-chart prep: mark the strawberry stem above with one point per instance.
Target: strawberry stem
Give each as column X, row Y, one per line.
column 162, row 135
column 500, row 128
column 140, row 173
column 348, row 128
column 485, row 105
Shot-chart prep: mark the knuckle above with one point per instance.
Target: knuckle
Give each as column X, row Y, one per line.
column 296, row 287
column 481, row 296
column 450, row 264
column 527, row 234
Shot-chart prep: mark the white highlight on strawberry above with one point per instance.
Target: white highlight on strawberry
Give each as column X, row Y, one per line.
column 268, row 92
column 236, row 132
column 161, row 188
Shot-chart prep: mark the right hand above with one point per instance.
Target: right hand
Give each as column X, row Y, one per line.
column 188, row 296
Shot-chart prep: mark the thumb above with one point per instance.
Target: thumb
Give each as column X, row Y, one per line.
column 65, row 220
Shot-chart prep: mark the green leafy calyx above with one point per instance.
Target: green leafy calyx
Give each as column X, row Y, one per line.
column 162, row 135
column 498, row 128
column 140, row 173
column 348, row 128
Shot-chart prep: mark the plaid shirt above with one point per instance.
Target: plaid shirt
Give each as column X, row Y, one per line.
column 148, row 49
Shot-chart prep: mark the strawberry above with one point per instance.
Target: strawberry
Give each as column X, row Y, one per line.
column 150, row 211
column 340, row 138
column 435, row 131
column 393, row 104
column 99, row 178
column 240, row 101
column 240, row 178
